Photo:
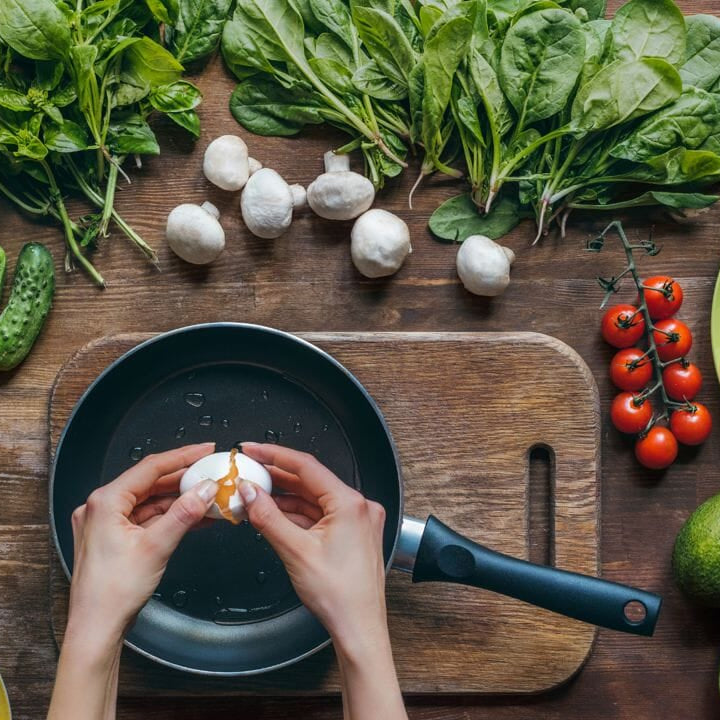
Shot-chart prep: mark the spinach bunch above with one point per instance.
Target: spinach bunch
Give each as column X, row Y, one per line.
column 77, row 86
column 313, row 61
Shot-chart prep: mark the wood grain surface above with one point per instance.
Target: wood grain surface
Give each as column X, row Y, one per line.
column 305, row 281
column 471, row 469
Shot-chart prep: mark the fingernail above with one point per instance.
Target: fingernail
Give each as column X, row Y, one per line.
column 249, row 444
column 247, row 491
column 208, row 444
column 207, row 490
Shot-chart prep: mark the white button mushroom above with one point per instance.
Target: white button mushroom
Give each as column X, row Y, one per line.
column 267, row 203
column 226, row 162
column 339, row 193
column 380, row 243
column 194, row 233
column 484, row 266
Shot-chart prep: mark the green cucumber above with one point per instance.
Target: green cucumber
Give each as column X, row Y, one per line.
column 30, row 300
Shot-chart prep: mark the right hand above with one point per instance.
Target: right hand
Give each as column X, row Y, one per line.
column 330, row 539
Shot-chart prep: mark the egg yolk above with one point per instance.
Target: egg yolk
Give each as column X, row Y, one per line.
column 226, row 489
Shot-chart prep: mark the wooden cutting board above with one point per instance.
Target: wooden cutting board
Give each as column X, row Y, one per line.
column 465, row 409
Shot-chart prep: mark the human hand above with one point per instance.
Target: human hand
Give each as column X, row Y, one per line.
column 330, row 539
column 124, row 535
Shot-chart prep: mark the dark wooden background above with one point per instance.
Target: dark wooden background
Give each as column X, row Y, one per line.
column 306, row 282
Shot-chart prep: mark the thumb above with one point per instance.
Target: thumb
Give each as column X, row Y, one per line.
column 187, row 511
column 267, row 518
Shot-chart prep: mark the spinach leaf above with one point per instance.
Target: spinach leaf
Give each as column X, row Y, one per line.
column 488, row 88
column 150, row 64
column 385, row 42
column 702, row 59
column 265, row 108
column 198, row 28
column 649, row 28
column 598, row 44
column 129, row 134
column 369, row 79
column 335, row 16
column 330, row 47
column 458, row 218
column 623, row 91
column 679, row 166
column 688, row 122
column 175, row 97
column 334, row 74
column 595, row 9
column 540, row 62
column 37, row 29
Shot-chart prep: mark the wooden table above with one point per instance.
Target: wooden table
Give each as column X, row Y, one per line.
column 304, row 282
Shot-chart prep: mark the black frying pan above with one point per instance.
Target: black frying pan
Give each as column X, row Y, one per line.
column 225, row 605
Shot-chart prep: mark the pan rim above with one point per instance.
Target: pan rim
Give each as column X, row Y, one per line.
column 160, row 337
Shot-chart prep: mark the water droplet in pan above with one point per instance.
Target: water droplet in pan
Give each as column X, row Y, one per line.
column 265, row 395
column 180, row 598
column 258, row 536
column 180, row 432
column 271, row 436
column 157, row 596
column 136, row 453
column 205, row 420
column 325, row 428
column 218, row 600
column 298, row 427
column 261, row 577
column 195, row 399
column 225, row 423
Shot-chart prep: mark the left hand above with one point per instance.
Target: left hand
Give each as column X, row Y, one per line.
column 124, row 535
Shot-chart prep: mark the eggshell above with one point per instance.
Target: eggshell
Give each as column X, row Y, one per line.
column 216, row 466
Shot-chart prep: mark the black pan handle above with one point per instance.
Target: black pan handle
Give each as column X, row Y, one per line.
column 444, row 555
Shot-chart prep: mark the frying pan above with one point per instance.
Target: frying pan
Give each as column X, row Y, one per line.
column 225, row 605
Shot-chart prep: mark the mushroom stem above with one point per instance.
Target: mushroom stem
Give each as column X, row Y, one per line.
column 208, row 207
column 336, row 163
column 299, row 196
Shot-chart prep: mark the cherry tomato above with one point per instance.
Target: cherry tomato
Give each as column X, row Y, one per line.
column 628, row 414
column 691, row 426
column 682, row 381
column 622, row 327
column 663, row 296
column 656, row 450
column 629, row 370
column 673, row 339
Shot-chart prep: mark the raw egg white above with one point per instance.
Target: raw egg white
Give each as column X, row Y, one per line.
column 228, row 469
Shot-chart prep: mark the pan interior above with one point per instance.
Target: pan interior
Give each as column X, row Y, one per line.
column 227, row 573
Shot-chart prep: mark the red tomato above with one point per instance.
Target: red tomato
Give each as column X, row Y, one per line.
column 622, row 326
column 629, row 370
column 673, row 339
column 656, row 450
column 691, row 426
column 663, row 296
column 682, row 381
column 628, row 414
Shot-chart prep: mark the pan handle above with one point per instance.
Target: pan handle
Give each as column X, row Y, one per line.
column 444, row 555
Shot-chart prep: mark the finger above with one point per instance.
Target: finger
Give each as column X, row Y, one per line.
column 78, row 529
column 267, row 518
column 151, row 508
column 300, row 520
column 289, row 482
column 168, row 483
column 296, row 504
column 184, row 513
column 314, row 477
column 140, row 479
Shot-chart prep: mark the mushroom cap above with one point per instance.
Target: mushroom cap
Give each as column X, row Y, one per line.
column 340, row 195
column 194, row 234
column 225, row 163
column 380, row 243
column 266, row 204
column 483, row 266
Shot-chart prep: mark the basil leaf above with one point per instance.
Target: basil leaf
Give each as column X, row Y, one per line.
column 540, row 62
column 129, row 134
column 37, row 29
column 198, row 28
column 164, row 11
column 187, row 119
column 14, row 100
column 175, row 97
column 459, row 218
column 649, row 28
column 148, row 64
column 66, row 137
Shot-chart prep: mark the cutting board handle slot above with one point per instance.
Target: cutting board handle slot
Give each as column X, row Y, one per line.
column 540, row 501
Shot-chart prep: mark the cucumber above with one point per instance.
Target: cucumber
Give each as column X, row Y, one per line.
column 30, row 300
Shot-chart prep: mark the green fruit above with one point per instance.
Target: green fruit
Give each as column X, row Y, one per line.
column 29, row 303
column 696, row 556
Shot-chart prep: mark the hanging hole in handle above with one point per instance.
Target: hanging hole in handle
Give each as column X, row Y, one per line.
column 635, row 612
column 540, row 526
